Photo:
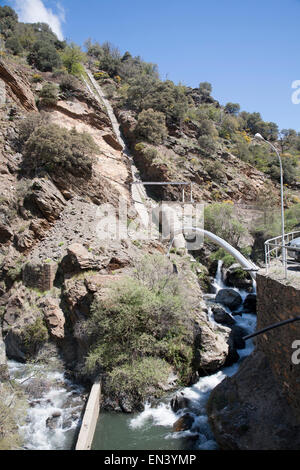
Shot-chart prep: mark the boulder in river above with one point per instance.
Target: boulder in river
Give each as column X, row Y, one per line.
column 249, row 305
column 236, row 276
column 52, row 421
column 179, row 402
column 221, row 316
column 184, row 423
column 230, row 298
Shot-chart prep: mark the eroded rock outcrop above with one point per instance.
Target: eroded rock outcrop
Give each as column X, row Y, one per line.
column 45, row 199
column 18, row 86
column 54, row 317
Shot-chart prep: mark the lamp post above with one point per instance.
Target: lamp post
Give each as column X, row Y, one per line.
column 260, row 137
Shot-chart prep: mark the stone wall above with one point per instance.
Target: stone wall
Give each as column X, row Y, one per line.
column 276, row 302
column 40, row 276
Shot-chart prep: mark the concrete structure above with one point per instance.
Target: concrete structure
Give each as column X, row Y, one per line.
column 90, row 418
column 277, row 300
column 40, row 276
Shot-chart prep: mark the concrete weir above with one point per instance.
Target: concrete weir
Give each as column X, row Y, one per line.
column 90, row 418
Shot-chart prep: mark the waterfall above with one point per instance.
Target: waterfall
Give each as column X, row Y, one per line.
column 152, row 428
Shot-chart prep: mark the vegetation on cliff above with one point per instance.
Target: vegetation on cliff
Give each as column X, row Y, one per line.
column 141, row 330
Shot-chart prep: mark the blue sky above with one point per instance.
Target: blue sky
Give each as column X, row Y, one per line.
column 248, row 50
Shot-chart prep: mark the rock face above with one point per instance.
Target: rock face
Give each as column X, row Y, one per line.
column 18, row 86
column 54, row 317
column 230, row 298
column 5, row 233
column 45, row 199
column 20, row 311
column 248, row 412
column 3, row 364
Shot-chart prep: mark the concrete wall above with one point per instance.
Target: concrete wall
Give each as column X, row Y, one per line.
column 90, row 418
column 277, row 302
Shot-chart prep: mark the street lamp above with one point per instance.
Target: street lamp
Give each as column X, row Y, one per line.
column 260, row 137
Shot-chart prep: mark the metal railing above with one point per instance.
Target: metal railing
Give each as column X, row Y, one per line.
column 274, row 248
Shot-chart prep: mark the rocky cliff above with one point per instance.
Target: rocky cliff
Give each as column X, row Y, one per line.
column 55, row 255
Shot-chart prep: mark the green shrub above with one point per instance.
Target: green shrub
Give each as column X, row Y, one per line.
column 49, row 94
column 219, row 218
column 146, row 91
column 151, row 126
column 13, row 45
column 69, row 83
column 34, row 336
column 72, row 59
column 215, row 170
column 150, row 153
column 232, row 108
column 139, row 378
column 222, row 255
column 44, row 56
column 207, row 144
column 205, row 88
column 28, row 125
column 143, row 320
column 52, row 147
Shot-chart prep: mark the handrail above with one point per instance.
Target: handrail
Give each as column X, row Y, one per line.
column 273, row 245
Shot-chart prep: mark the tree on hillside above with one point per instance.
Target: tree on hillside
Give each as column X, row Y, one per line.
column 205, row 88
column 72, row 58
column 232, row 108
column 8, row 21
column 44, row 56
column 93, row 49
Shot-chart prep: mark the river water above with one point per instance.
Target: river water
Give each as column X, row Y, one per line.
column 153, row 428
column 55, row 405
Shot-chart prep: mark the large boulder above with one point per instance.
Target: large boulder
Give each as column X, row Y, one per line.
column 6, row 233
column 112, row 141
column 248, row 411
column 179, row 402
column 211, row 348
column 45, row 199
column 80, row 259
column 184, row 423
column 221, row 316
column 230, row 298
column 249, row 305
column 54, row 317
column 235, row 276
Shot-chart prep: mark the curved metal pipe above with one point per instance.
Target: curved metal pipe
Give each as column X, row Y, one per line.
column 247, row 264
